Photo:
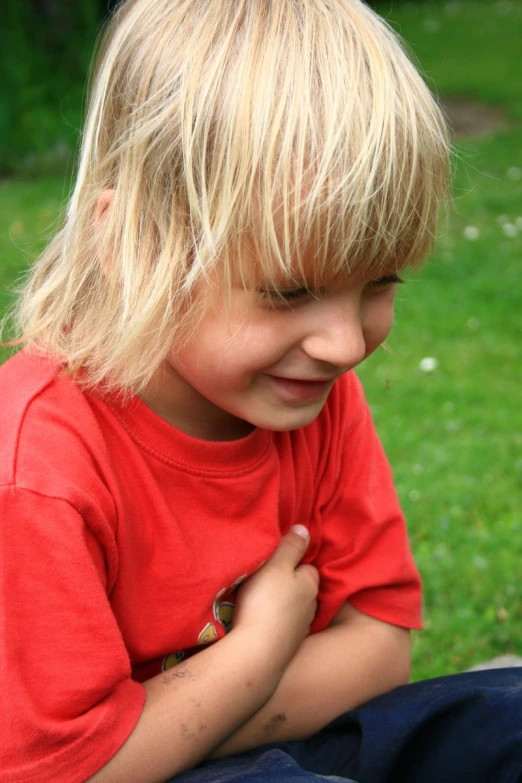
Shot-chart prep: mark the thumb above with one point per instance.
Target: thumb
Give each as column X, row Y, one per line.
column 293, row 545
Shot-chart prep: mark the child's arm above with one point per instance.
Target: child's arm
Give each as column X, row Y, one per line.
column 333, row 671
column 191, row 709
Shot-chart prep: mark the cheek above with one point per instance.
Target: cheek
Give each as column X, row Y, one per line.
column 195, row 355
column 378, row 322
column 215, row 355
column 228, row 349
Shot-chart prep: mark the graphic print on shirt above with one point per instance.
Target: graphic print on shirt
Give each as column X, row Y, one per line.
column 223, row 614
column 224, row 609
column 208, row 634
column 172, row 659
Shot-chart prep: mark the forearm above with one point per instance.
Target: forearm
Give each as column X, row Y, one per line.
column 191, row 709
column 332, row 672
column 194, row 707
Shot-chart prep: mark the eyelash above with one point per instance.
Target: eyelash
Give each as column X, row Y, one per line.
column 295, row 294
column 388, row 280
column 289, row 297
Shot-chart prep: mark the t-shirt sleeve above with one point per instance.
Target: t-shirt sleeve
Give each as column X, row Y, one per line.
column 68, row 701
column 364, row 556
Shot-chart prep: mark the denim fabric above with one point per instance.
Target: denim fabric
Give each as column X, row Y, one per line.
column 466, row 728
column 266, row 765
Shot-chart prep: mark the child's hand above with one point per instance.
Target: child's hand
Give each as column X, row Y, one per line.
column 279, row 601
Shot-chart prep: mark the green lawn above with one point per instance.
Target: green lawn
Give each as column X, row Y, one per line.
column 28, row 216
column 453, row 434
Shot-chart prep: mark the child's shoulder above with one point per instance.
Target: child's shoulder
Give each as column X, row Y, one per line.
column 45, row 418
column 25, row 375
column 28, row 378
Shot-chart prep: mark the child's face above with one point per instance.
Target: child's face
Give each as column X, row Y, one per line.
column 274, row 364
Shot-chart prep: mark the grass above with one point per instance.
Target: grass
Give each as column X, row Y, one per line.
column 28, row 214
column 453, row 434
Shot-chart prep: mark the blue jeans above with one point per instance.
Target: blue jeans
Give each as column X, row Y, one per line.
column 466, row 728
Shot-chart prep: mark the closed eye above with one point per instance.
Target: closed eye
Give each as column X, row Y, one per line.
column 383, row 283
column 288, row 296
column 292, row 296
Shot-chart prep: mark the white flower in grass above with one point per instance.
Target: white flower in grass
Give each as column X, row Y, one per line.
column 510, row 230
column 502, row 219
column 428, row 364
column 514, row 173
column 452, row 426
column 453, row 8
column 471, row 232
column 504, row 7
column 431, row 25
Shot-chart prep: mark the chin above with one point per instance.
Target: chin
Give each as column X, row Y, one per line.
column 289, row 423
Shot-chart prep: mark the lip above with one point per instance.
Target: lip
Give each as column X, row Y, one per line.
column 295, row 389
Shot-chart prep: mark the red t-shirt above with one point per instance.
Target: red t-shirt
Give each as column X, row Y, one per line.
column 122, row 539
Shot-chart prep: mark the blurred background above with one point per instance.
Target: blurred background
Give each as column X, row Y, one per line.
column 446, row 392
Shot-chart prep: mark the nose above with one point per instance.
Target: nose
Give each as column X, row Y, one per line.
column 335, row 333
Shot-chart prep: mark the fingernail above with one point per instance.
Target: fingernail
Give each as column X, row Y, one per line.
column 302, row 531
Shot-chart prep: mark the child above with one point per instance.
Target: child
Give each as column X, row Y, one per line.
column 185, row 448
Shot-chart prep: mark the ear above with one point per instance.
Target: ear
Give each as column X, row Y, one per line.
column 103, row 203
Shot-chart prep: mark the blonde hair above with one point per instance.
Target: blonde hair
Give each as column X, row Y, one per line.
column 294, row 128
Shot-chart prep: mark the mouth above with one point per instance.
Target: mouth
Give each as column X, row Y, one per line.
column 300, row 389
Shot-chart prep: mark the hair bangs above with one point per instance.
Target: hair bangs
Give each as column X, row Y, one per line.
column 330, row 155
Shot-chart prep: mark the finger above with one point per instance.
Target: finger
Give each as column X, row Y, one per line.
column 293, row 545
column 311, row 572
